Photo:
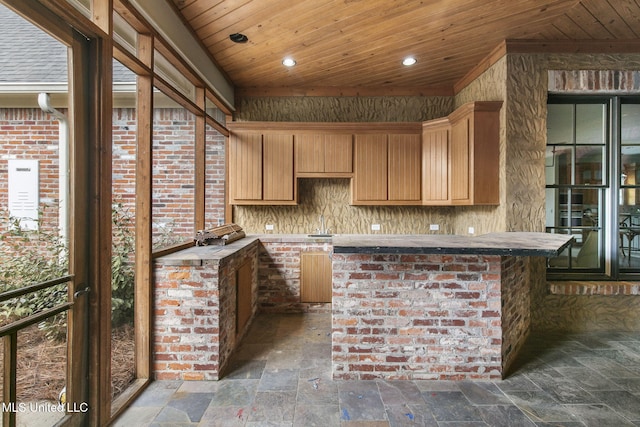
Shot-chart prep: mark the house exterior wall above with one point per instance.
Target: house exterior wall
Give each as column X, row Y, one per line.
column 31, row 134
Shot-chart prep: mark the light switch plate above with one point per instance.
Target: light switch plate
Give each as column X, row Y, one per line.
column 375, row 227
column 434, row 227
column 268, row 227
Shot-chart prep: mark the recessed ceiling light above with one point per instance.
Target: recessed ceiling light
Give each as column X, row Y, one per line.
column 288, row 62
column 409, row 60
column 238, row 38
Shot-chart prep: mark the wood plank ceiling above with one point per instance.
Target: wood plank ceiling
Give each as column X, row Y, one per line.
column 361, row 43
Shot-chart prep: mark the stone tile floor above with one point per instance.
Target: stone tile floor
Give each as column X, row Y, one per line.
column 282, row 377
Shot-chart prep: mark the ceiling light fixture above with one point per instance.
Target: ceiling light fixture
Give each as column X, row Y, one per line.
column 288, row 62
column 238, row 38
column 409, row 60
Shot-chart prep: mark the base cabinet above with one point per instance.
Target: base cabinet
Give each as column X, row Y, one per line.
column 315, row 277
column 244, row 296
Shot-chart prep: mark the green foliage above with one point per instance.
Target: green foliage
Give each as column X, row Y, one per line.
column 28, row 257
column 122, row 266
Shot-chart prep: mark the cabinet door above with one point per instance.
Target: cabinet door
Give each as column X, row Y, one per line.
column 404, row 172
column 370, row 168
column 435, row 165
column 338, row 154
column 316, row 282
column 245, row 166
column 310, row 153
column 278, row 180
column 460, row 162
column 244, row 297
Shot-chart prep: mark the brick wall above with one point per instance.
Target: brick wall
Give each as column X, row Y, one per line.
column 32, row 134
column 195, row 315
column 422, row 316
column 279, row 276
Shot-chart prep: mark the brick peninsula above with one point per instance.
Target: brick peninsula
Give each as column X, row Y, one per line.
column 402, row 306
column 439, row 307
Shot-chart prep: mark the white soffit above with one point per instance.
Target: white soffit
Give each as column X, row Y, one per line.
column 164, row 20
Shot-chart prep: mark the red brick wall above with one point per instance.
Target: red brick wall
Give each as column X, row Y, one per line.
column 195, row 315
column 31, row 134
column 416, row 317
column 279, row 276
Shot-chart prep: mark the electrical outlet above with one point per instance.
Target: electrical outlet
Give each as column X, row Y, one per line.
column 472, row 230
column 268, row 227
column 434, row 227
column 375, row 227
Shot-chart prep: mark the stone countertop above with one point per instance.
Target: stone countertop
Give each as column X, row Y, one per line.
column 507, row 243
column 199, row 255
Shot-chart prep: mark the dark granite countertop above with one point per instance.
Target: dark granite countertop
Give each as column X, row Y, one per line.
column 507, row 243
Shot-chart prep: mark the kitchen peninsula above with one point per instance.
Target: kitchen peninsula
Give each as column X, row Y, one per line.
column 403, row 306
column 436, row 307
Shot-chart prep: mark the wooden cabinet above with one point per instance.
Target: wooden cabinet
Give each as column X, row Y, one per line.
column 244, row 296
column 370, row 169
column 461, row 156
column 435, row 162
column 316, row 283
column 404, row 168
column 261, row 168
column 323, row 155
column 245, row 166
column 475, row 154
column 387, row 169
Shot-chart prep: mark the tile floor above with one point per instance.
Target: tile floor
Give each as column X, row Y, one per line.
column 282, row 377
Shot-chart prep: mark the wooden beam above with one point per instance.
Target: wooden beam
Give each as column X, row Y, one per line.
column 200, row 167
column 143, row 231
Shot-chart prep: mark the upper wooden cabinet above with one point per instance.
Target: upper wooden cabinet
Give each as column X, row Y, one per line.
column 261, row 168
column 475, row 154
column 435, row 162
column 387, row 169
column 461, row 156
column 323, row 155
column 449, row 161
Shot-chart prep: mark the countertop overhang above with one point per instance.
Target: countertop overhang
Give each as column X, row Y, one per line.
column 504, row 244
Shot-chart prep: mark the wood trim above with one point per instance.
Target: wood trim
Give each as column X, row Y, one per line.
column 486, row 63
column 343, row 127
column 248, row 92
column 200, row 167
column 175, row 95
column 143, row 231
column 217, row 126
column 128, row 60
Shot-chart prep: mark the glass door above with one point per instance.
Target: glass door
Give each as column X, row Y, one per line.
column 44, row 286
column 629, row 192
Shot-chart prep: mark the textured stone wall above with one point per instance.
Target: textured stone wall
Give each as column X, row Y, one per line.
column 516, row 308
column 343, row 109
column 433, row 317
column 527, row 87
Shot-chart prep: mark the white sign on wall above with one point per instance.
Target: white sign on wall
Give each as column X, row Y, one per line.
column 24, row 185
